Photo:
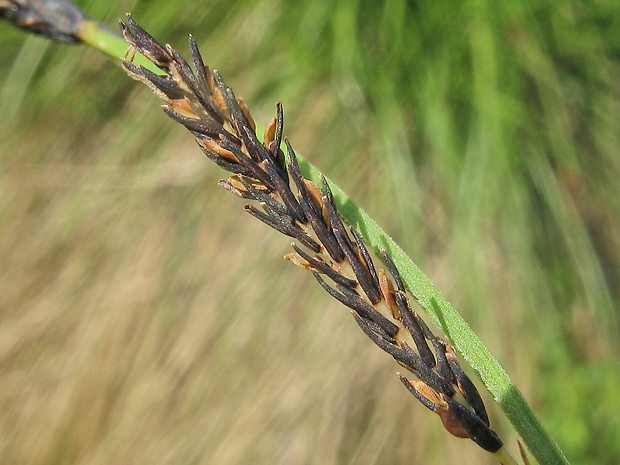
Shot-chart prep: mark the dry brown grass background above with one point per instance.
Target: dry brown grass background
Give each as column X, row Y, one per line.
column 146, row 319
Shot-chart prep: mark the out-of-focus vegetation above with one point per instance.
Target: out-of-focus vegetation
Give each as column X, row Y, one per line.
column 144, row 318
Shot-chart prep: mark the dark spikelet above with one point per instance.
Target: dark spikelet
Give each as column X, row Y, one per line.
column 285, row 200
column 367, row 261
column 312, row 210
column 363, row 308
column 202, row 82
column 340, row 232
column 319, row 264
column 59, row 20
column 238, row 185
column 285, row 192
column 198, row 127
column 164, row 83
column 473, row 426
column 414, row 329
column 284, row 225
column 275, row 145
column 145, row 43
column 394, row 272
column 467, row 388
column 424, row 400
column 443, row 367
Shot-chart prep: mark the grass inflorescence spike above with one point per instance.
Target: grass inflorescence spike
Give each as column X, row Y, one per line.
column 283, row 199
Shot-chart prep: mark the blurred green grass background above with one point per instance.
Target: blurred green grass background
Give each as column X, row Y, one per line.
column 144, row 318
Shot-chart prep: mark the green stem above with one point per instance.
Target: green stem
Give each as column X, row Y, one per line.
column 475, row 353
column 98, row 36
column 469, row 345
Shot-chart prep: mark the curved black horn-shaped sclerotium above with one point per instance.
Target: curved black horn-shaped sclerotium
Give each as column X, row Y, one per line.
column 284, row 199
